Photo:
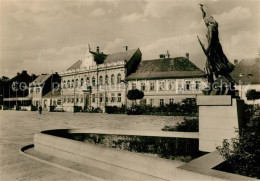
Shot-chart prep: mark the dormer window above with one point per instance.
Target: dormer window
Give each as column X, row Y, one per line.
column 241, row 75
column 250, row 75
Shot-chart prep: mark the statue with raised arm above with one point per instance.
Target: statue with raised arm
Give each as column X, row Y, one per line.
column 217, row 63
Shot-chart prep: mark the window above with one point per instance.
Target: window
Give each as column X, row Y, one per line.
column 100, row 98
column 81, row 82
column 77, row 83
column 31, row 90
column 151, row 102
column 171, row 86
column 106, row 99
column 161, row 86
column 93, row 98
column 54, row 103
column 87, row 81
column 68, row 83
column 151, row 86
column 143, row 86
column 38, row 90
column 197, row 85
column 64, row 100
column 133, row 86
column 72, row 100
column 77, row 100
column 58, row 102
column 187, row 87
column 112, row 79
column 171, row 100
column 119, row 97
column 68, row 100
column 81, row 100
column 143, row 102
column 64, row 84
column 113, row 97
column 119, row 78
column 93, row 81
column 100, row 80
column 161, row 102
column 106, row 80
column 72, row 83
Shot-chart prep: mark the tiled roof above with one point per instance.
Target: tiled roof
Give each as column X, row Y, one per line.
column 54, row 93
column 125, row 55
column 178, row 67
column 247, row 71
column 75, row 65
column 40, row 79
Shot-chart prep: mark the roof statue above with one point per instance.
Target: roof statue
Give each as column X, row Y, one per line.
column 217, row 63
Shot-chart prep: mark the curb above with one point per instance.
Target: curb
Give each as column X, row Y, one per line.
column 54, row 164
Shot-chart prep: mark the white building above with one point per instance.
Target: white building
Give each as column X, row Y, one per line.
column 98, row 80
column 247, row 76
column 167, row 80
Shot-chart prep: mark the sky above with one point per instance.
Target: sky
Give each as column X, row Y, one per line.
column 42, row 36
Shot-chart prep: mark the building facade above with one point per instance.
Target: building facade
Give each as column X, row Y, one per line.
column 167, row 80
column 15, row 90
column 247, row 76
column 98, row 80
column 42, row 85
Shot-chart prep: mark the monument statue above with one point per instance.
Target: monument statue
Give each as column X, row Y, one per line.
column 217, row 63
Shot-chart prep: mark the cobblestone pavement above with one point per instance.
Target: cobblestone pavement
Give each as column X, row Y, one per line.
column 17, row 129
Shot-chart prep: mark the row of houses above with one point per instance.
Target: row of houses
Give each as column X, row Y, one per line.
column 104, row 79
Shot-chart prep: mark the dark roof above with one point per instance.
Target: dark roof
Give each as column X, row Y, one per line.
column 40, row 79
column 125, row 55
column 75, row 65
column 247, row 71
column 178, row 67
column 54, row 93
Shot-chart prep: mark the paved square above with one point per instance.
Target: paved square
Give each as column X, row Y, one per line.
column 17, row 129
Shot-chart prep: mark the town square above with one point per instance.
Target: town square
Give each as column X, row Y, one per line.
column 129, row 90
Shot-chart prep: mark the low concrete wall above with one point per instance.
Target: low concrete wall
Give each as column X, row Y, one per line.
column 77, row 151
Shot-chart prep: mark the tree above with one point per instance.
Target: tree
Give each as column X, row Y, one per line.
column 135, row 94
column 252, row 94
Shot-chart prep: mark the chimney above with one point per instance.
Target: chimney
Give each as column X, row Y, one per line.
column 235, row 61
column 167, row 54
column 187, row 55
column 97, row 49
column 162, row 56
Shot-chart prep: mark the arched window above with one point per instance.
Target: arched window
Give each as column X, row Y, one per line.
column 106, row 81
column 112, row 79
column 64, row 84
column 68, row 84
column 87, row 81
column 100, row 80
column 81, row 82
column 77, row 83
column 93, row 81
column 118, row 78
column 72, row 83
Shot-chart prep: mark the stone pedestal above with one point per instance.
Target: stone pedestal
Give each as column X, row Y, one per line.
column 218, row 117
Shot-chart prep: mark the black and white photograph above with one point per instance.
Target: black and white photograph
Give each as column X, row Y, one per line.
column 129, row 90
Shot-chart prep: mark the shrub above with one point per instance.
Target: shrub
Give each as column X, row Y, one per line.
column 242, row 153
column 34, row 108
column 77, row 108
column 115, row 109
column 170, row 148
column 188, row 125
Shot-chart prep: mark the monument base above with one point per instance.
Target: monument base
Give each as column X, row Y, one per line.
column 218, row 117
